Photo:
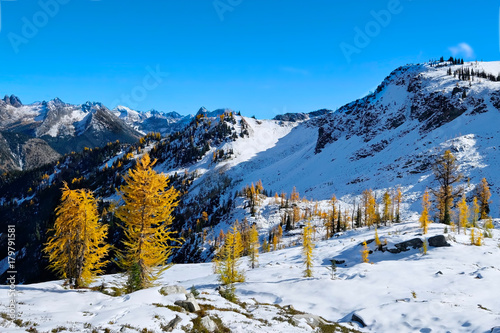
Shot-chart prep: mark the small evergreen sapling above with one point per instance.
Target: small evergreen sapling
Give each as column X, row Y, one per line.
column 332, row 268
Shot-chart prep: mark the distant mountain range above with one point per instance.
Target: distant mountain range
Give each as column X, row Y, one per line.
column 34, row 134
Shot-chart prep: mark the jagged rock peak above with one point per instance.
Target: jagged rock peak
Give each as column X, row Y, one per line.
column 202, row 110
column 56, row 102
column 12, row 100
column 214, row 113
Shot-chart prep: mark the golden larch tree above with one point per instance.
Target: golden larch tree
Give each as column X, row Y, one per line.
column 77, row 248
column 476, row 238
column 146, row 214
column 446, row 172
column 484, row 195
column 294, row 197
column 364, row 253
column 475, row 212
column 275, row 242
column 254, row 246
column 227, row 259
column 307, row 249
column 377, row 239
column 280, row 233
column 424, row 217
column 371, row 209
column 463, row 214
column 387, row 216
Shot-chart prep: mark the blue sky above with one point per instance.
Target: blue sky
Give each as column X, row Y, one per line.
column 262, row 57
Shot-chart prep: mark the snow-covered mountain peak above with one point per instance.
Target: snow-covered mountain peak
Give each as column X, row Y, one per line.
column 12, row 100
column 214, row 113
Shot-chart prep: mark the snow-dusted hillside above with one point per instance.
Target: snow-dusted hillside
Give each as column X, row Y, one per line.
column 388, row 138
column 450, row 289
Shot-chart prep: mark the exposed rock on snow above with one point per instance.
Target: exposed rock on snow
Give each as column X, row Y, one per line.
column 208, row 324
column 357, row 319
column 168, row 290
column 173, row 324
column 189, row 304
column 438, row 241
column 312, row 320
column 414, row 243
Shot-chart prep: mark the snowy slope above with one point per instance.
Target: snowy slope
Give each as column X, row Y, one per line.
column 386, row 139
column 451, row 289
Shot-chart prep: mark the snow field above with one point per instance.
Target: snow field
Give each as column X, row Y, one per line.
column 450, row 289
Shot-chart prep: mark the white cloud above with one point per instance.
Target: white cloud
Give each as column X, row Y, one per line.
column 462, row 49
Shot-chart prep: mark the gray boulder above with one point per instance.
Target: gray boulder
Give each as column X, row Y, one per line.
column 414, row 243
column 169, row 290
column 438, row 241
column 173, row 324
column 189, row 304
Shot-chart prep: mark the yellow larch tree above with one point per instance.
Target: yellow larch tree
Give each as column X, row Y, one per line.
column 254, row 246
column 146, row 214
column 463, row 214
column 377, row 239
column 364, row 253
column 371, row 209
column 77, row 248
column 446, row 172
column 475, row 212
column 307, row 249
column 259, row 188
column 424, row 217
column 476, row 238
column 275, row 242
column 227, row 258
column 387, row 214
column 294, row 197
column 484, row 194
